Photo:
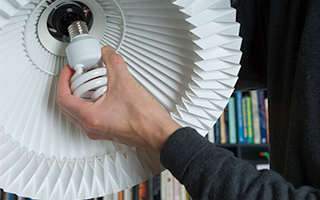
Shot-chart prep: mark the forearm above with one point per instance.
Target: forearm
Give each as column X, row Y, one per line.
column 209, row 172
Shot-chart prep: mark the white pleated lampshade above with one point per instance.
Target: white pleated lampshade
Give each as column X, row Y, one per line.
column 184, row 52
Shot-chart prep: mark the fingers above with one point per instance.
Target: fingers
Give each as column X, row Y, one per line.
column 106, row 51
column 64, row 80
column 113, row 61
column 68, row 102
column 117, row 70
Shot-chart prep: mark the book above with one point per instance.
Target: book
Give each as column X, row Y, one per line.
column 176, row 189
column 121, row 195
column 262, row 116
column 183, row 192
column 217, row 131
column 142, row 191
column 244, row 119
column 170, row 187
column 12, row 196
column 150, row 189
column 136, row 192
column 5, row 196
column 188, row 197
column 226, row 122
column 239, row 117
column 166, row 185
column 108, row 197
column 115, row 196
column 255, row 117
column 267, row 117
column 263, row 166
column 156, row 187
column 249, row 119
column 232, row 121
column 128, row 194
column 211, row 135
column 223, row 134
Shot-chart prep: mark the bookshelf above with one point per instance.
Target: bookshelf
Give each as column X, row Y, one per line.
column 248, row 152
column 243, row 127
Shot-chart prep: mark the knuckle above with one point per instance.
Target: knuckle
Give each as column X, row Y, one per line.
column 91, row 123
column 83, row 113
column 116, row 59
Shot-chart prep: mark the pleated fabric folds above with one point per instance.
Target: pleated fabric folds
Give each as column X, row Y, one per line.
column 186, row 53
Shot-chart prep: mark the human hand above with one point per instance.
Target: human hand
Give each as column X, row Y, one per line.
column 126, row 113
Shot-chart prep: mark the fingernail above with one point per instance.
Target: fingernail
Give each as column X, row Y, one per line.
column 106, row 49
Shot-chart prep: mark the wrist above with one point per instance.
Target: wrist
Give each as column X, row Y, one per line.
column 167, row 130
column 151, row 123
column 163, row 127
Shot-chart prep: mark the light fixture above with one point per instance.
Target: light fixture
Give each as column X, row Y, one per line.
column 184, row 52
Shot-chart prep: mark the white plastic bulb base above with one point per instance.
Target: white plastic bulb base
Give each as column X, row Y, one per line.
column 84, row 51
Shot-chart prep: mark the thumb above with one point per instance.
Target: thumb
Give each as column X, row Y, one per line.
column 116, row 67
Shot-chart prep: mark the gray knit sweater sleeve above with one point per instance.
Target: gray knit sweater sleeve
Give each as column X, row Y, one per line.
column 209, row 172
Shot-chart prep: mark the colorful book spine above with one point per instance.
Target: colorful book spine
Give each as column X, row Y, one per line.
column 142, row 193
column 183, row 192
column 156, row 187
column 255, row 117
column 223, row 135
column 136, row 192
column 245, row 120
column 217, row 131
column 226, row 123
column 232, row 121
column 121, row 195
column 188, row 197
column 267, row 117
column 239, row 117
column 249, row 120
column 262, row 116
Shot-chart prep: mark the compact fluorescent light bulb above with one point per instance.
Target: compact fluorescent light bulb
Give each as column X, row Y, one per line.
column 84, row 57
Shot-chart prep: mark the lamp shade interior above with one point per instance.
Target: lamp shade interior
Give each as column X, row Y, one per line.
column 186, row 53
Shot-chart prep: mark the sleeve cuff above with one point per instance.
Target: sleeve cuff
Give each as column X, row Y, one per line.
column 178, row 151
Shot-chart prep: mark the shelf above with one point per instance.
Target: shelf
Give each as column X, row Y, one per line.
column 242, row 145
column 248, row 152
